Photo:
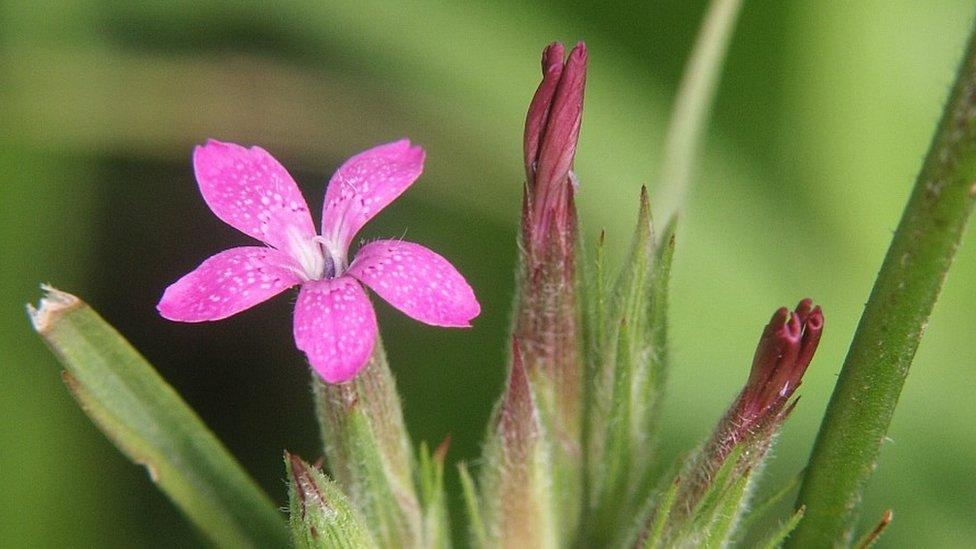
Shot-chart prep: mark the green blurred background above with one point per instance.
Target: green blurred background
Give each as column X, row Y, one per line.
column 823, row 115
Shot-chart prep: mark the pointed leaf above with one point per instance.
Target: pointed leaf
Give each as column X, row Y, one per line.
column 725, row 515
column 870, row 538
column 149, row 422
column 777, row 538
column 437, row 530
column 760, row 509
column 476, row 523
column 628, row 364
column 653, row 535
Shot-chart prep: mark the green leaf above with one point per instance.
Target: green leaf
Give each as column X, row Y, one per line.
column 693, row 105
column 761, row 509
column 595, row 300
column 713, row 515
column 321, row 515
column 476, row 523
column 725, row 515
column 437, row 530
column 653, row 536
column 149, row 422
column 615, row 467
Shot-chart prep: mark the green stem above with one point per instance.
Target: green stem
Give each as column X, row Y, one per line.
column 891, row 327
column 693, row 105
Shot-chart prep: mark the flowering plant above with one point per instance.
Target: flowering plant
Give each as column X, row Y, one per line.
column 570, row 449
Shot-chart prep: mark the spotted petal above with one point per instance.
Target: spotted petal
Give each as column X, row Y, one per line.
column 249, row 190
column 364, row 185
column 335, row 326
column 422, row 284
column 227, row 283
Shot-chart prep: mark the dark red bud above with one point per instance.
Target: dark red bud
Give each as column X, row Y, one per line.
column 535, row 122
column 782, row 356
column 552, row 129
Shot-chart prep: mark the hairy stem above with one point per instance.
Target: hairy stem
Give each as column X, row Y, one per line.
column 891, row 327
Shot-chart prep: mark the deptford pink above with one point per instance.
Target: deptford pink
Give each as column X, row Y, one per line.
column 334, row 322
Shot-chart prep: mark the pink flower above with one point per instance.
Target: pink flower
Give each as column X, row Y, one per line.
column 334, row 320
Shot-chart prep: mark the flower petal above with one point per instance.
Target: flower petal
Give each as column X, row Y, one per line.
column 249, row 190
column 227, row 283
column 365, row 184
column 336, row 327
column 422, row 284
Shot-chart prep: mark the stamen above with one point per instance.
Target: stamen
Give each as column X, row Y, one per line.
column 335, row 256
column 308, row 253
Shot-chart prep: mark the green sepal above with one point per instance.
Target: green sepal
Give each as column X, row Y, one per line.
column 711, row 522
column 730, row 506
column 517, row 496
column 762, row 508
column 321, row 515
column 476, row 522
column 628, row 363
column 651, row 536
column 148, row 421
column 680, row 517
column 437, row 529
column 368, row 451
column 778, row 536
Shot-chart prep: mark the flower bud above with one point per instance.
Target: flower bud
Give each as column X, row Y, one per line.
column 321, row 515
column 782, row 356
column 716, row 479
column 551, row 131
column 546, row 323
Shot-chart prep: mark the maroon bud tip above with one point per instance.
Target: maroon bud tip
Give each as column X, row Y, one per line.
column 305, row 488
column 551, row 133
column 552, row 58
column 782, row 356
column 538, row 115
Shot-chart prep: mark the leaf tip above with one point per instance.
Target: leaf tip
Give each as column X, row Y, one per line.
column 440, row 454
column 51, row 306
column 870, row 538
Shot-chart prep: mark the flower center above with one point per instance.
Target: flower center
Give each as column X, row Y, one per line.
column 318, row 257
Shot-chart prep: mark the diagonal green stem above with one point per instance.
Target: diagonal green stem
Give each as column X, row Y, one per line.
column 693, row 105
column 891, row 327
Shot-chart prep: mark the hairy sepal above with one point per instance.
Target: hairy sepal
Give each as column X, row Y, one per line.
column 321, row 515
column 627, row 363
column 368, row 451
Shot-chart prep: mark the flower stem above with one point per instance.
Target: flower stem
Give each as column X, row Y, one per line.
column 693, row 105
column 891, row 327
